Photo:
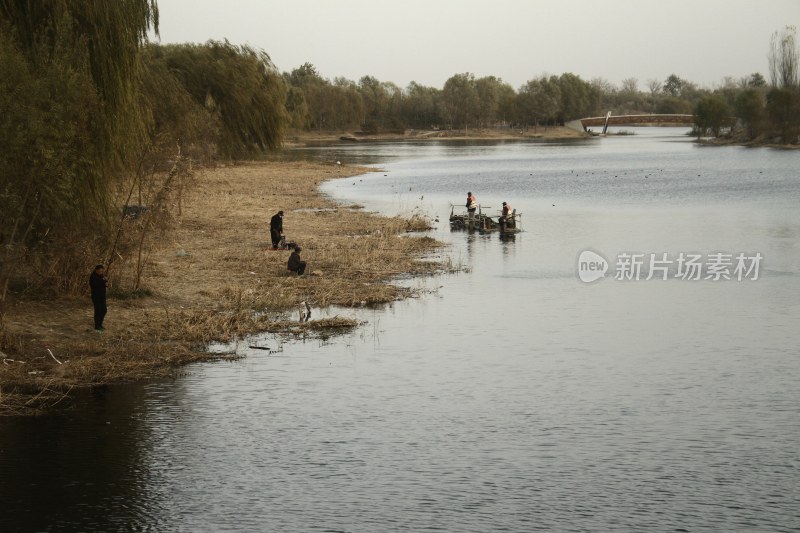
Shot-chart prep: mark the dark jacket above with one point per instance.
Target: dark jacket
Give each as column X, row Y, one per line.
column 276, row 223
column 98, row 285
column 294, row 261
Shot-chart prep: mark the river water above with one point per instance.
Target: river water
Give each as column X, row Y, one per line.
column 514, row 396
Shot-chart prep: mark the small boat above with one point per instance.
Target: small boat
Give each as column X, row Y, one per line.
column 479, row 221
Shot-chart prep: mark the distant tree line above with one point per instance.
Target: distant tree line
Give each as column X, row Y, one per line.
column 763, row 109
column 757, row 107
column 99, row 128
column 464, row 102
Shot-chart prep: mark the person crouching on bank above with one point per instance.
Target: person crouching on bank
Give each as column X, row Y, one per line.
column 295, row 264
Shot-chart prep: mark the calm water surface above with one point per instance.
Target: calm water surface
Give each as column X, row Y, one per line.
column 511, row 397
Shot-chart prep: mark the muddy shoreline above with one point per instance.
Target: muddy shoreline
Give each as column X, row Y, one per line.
column 301, row 138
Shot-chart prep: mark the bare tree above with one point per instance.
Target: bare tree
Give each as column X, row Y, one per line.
column 603, row 85
column 630, row 85
column 654, row 85
column 783, row 58
column 728, row 82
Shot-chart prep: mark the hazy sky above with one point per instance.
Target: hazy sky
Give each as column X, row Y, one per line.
column 428, row 41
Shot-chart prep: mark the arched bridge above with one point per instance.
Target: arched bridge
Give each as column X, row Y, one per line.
column 630, row 120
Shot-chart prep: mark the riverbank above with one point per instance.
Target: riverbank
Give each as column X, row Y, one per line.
column 739, row 138
column 214, row 277
column 302, row 137
column 755, row 143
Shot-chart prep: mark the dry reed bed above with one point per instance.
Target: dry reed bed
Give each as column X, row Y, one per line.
column 213, row 277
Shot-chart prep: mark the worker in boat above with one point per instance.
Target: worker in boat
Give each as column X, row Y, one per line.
column 472, row 204
column 507, row 217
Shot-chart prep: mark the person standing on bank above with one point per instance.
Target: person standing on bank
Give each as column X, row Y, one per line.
column 98, row 283
column 295, row 264
column 276, row 229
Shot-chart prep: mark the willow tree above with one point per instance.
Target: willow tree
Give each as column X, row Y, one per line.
column 376, row 103
column 351, row 110
column 578, row 98
column 711, row 113
column 490, row 91
column 539, row 100
column 68, row 75
column 297, row 107
column 107, row 37
column 749, row 105
column 783, row 110
column 783, row 100
column 784, row 59
column 421, row 106
column 240, row 86
column 460, row 99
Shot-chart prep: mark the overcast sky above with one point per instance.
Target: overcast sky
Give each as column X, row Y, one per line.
column 428, row 41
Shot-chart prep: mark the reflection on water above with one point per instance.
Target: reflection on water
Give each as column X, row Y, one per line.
column 82, row 470
column 510, row 397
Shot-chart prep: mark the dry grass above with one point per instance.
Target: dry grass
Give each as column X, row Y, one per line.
column 213, row 277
